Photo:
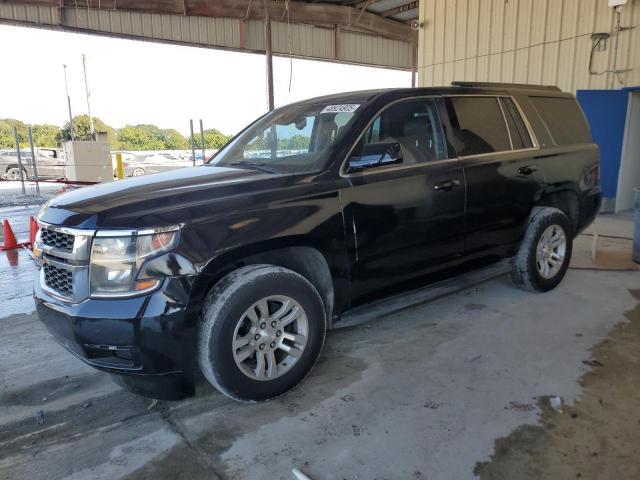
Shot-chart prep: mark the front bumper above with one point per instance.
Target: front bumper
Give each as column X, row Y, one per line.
column 150, row 339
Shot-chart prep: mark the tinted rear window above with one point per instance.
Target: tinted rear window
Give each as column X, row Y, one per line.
column 478, row 124
column 564, row 119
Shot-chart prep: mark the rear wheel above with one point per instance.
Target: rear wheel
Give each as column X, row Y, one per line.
column 545, row 252
column 262, row 330
column 138, row 172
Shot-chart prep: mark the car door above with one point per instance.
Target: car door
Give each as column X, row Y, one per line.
column 497, row 152
column 49, row 164
column 404, row 206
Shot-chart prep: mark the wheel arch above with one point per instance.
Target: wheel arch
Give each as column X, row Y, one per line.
column 566, row 200
column 13, row 165
column 306, row 260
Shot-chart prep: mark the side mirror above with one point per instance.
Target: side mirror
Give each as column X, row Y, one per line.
column 375, row 155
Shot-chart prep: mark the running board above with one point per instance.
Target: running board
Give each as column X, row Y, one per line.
column 396, row 303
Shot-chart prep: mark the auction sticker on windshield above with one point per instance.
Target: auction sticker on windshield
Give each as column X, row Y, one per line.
column 343, row 108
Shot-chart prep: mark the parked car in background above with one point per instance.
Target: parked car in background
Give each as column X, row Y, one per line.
column 322, row 213
column 136, row 164
column 131, row 163
column 50, row 164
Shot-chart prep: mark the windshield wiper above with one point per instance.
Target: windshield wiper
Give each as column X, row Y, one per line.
column 255, row 165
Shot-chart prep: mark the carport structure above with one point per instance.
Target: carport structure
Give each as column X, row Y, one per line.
column 378, row 33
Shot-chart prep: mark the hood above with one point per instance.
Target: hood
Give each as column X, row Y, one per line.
column 127, row 203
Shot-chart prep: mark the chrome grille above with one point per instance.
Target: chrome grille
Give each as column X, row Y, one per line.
column 58, row 279
column 58, row 240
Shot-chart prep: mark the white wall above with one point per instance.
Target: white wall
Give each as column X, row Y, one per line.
column 525, row 41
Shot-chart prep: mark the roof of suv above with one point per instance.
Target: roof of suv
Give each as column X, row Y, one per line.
column 456, row 87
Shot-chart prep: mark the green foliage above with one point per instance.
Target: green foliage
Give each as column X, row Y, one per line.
column 82, row 130
column 7, row 139
column 150, row 137
column 296, row 142
column 214, row 139
column 45, row 135
column 130, row 137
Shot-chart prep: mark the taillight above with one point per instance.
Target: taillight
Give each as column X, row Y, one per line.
column 592, row 176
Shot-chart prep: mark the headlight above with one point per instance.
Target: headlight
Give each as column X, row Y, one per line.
column 116, row 261
column 35, row 248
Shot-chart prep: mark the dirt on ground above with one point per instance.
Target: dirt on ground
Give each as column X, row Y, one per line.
column 598, row 437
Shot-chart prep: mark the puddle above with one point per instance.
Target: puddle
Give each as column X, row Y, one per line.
column 17, row 269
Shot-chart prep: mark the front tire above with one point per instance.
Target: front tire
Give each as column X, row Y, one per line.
column 261, row 332
column 544, row 255
column 13, row 174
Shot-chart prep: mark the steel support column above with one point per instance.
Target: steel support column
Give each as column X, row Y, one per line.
column 269, row 57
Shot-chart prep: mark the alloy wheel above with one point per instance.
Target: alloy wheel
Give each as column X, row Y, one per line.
column 551, row 251
column 270, row 337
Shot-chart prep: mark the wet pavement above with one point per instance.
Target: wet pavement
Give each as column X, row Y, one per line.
column 17, row 268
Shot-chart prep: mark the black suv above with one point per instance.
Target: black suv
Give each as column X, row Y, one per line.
column 319, row 214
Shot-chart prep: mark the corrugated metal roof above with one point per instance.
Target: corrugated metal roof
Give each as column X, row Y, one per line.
column 304, row 40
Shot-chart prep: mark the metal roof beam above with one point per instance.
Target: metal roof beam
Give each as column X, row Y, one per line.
column 301, row 12
column 298, row 12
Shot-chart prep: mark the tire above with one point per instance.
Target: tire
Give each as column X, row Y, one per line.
column 232, row 317
column 13, row 173
column 533, row 267
column 138, row 172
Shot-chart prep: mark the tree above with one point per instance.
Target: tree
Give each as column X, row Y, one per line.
column 296, row 142
column 150, row 137
column 173, row 140
column 7, row 139
column 214, row 139
column 82, row 130
column 45, row 135
column 129, row 137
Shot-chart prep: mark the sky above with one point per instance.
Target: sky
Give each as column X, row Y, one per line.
column 134, row 82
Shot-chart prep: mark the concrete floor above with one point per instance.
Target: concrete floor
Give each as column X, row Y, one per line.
column 420, row 394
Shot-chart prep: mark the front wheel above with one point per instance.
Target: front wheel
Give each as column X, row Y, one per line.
column 261, row 331
column 545, row 252
column 13, row 173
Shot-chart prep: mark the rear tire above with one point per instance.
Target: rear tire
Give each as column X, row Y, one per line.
column 261, row 332
column 545, row 252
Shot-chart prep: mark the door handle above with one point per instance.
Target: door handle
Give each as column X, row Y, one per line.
column 446, row 185
column 527, row 170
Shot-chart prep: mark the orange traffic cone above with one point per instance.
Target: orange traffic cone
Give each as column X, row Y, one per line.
column 33, row 230
column 9, row 239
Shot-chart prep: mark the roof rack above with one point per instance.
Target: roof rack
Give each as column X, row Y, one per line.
column 522, row 86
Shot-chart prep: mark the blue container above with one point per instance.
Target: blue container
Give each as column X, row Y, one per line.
column 636, row 228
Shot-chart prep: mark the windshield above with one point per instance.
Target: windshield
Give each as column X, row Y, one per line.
column 290, row 139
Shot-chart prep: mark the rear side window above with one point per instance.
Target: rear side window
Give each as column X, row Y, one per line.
column 518, row 130
column 564, row 119
column 478, row 125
